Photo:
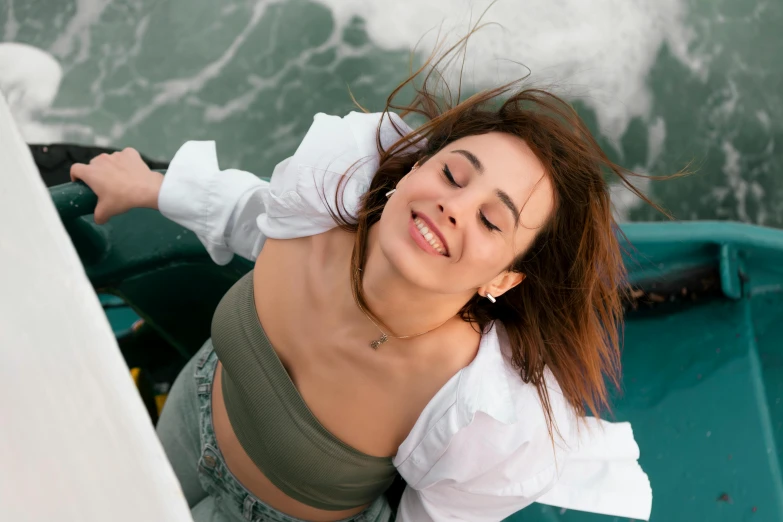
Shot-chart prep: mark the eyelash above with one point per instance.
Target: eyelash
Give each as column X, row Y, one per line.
column 447, row 174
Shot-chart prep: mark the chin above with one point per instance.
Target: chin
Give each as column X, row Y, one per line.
column 413, row 265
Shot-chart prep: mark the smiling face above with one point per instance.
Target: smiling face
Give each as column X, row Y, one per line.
column 457, row 222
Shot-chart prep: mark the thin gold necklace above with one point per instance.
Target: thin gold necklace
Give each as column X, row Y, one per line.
column 385, row 337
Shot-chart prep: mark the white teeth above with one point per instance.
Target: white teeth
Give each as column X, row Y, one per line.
column 429, row 236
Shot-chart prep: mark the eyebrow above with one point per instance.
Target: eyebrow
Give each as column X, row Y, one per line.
column 502, row 195
column 472, row 159
column 506, row 200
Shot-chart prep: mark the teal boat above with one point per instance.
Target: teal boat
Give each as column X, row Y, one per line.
column 703, row 349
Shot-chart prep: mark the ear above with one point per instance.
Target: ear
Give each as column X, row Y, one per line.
column 501, row 284
column 422, row 160
column 413, row 169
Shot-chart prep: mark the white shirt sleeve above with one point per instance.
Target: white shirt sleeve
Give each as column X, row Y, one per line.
column 233, row 212
column 603, row 475
column 486, row 482
column 450, row 503
column 496, row 464
column 489, row 471
column 220, row 207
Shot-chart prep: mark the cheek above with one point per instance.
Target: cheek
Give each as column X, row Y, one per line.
column 395, row 215
column 421, row 185
column 487, row 254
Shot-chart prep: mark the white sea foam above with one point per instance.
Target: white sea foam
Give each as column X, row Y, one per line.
column 600, row 51
column 88, row 12
column 30, row 79
column 736, row 184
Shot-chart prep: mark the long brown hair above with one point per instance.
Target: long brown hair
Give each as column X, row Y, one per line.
column 566, row 316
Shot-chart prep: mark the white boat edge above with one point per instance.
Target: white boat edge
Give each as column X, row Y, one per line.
column 76, row 443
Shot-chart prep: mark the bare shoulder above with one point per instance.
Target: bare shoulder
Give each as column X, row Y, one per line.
column 335, row 241
column 310, row 264
column 446, row 351
column 331, row 250
column 463, row 341
column 319, row 244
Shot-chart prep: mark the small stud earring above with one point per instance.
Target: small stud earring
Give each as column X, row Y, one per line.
column 491, row 299
column 392, row 191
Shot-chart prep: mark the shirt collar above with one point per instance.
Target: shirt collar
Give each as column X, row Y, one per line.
column 484, row 385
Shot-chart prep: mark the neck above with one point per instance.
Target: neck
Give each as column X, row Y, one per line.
column 404, row 308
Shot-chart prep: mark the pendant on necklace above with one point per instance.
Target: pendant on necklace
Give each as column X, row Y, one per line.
column 382, row 339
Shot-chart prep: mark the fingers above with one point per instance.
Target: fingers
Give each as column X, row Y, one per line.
column 82, row 172
column 131, row 152
column 103, row 175
column 100, row 158
column 100, row 215
column 79, row 171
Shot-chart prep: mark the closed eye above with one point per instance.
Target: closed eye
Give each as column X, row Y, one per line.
column 449, row 177
column 487, row 223
column 484, row 221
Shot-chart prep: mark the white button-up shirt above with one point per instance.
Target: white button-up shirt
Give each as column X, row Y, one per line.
column 481, row 450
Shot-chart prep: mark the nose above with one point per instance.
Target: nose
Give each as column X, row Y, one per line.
column 458, row 205
column 451, row 218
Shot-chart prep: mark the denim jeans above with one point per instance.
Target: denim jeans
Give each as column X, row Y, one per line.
column 186, row 432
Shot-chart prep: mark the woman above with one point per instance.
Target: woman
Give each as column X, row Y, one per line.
column 442, row 303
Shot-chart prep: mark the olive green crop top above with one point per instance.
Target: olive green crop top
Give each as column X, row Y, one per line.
column 274, row 425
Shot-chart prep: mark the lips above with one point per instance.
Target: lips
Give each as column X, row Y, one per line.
column 434, row 229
